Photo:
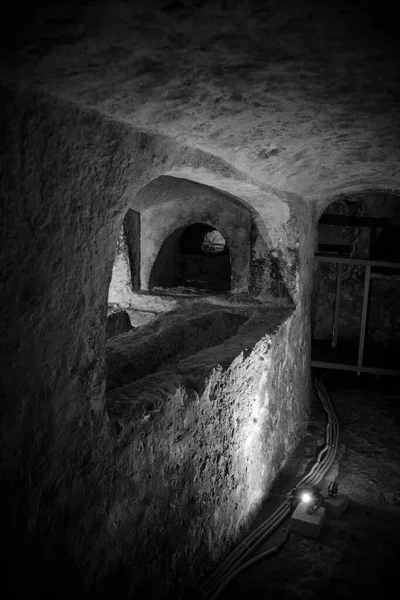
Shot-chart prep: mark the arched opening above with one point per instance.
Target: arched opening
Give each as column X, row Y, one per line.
column 196, row 256
column 356, row 316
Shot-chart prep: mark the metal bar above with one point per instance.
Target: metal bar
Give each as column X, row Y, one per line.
column 320, row 364
column 335, row 325
column 359, row 368
column 337, row 249
column 364, row 316
column 357, row 261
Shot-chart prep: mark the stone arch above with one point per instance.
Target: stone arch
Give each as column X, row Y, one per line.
column 171, row 203
column 365, row 193
column 257, row 227
column 354, row 186
column 184, row 261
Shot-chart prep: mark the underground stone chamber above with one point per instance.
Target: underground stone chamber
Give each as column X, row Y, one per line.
column 120, row 125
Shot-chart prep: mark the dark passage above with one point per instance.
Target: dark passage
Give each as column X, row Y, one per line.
column 194, row 257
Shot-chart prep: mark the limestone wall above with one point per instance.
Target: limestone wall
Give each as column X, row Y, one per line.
column 126, row 268
column 193, row 450
column 63, row 176
column 85, row 495
column 302, row 96
column 267, row 103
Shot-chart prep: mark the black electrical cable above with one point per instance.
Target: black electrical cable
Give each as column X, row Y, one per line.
column 248, row 564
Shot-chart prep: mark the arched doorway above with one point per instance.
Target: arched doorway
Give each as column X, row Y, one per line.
column 195, row 256
column 356, row 316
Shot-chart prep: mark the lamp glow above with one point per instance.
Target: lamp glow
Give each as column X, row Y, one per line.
column 306, row 497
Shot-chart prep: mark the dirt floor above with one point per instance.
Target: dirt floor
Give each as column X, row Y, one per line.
column 355, row 556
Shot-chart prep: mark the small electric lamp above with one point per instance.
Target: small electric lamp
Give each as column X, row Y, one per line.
column 309, row 516
column 312, row 499
column 306, row 497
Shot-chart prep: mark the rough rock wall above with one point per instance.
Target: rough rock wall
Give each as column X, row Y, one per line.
column 120, row 291
column 207, row 436
column 67, row 179
column 274, row 270
column 64, row 173
column 167, row 340
column 126, row 268
column 300, row 95
column 194, row 450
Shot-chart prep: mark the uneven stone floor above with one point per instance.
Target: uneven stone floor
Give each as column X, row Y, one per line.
column 355, row 556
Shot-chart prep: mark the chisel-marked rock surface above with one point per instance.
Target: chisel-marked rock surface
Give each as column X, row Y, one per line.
column 170, row 337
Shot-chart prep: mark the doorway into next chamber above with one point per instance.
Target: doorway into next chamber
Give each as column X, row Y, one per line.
column 194, row 257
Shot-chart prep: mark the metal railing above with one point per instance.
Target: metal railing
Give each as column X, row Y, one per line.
column 368, row 264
